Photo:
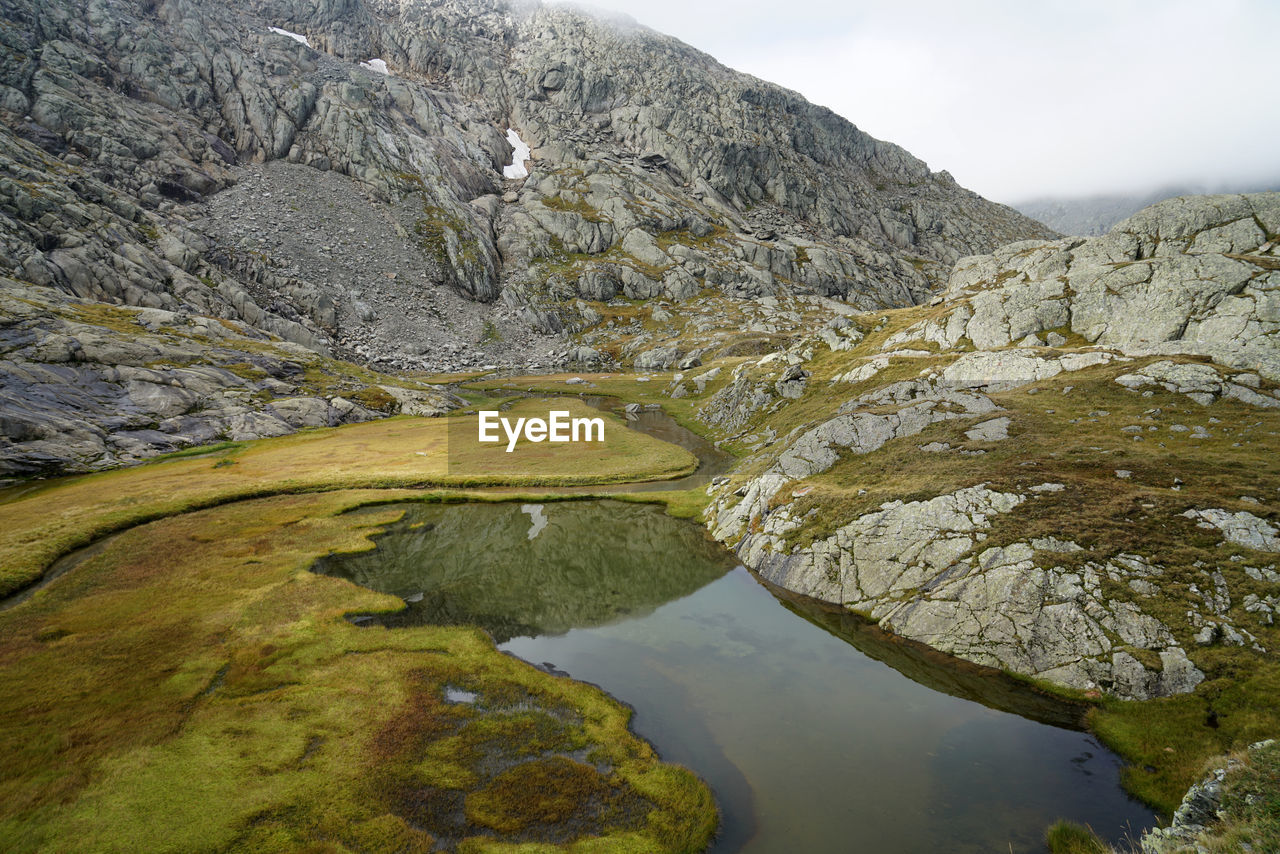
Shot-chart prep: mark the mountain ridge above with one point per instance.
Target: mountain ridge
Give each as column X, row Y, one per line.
column 196, row 158
column 1095, row 214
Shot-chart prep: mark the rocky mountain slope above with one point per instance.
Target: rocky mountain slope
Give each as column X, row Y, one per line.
column 89, row 386
column 250, row 161
column 1064, row 467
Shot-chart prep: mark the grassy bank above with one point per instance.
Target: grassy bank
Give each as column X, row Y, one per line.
column 36, row 528
column 647, row 388
column 192, row 685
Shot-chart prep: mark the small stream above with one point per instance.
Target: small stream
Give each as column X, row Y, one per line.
column 802, row 718
column 653, row 422
column 711, row 460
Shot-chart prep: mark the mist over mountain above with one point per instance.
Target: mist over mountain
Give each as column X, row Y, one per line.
column 1094, row 215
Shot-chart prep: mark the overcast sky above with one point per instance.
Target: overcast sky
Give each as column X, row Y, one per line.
column 1021, row 99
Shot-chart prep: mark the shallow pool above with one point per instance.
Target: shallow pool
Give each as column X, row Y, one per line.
column 799, row 716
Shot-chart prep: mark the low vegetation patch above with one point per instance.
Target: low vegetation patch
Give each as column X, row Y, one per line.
column 220, row 701
column 1065, row 837
column 395, row 452
column 569, row 201
column 1251, row 800
column 1168, row 741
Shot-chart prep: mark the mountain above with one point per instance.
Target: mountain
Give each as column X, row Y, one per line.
column 250, row 162
column 1092, row 216
column 1052, row 456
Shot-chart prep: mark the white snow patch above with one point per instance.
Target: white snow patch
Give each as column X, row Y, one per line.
column 378, row 65
column 536, row 516
column 519, row 154
column 298, row 37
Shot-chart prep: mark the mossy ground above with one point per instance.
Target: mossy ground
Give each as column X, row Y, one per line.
column 36, row 529
column 1069, row 430
column 190, row 685
column 194, row 687
column 682, row 504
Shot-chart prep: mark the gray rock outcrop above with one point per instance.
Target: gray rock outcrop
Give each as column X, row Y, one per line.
column 921, row 571
column 647, row 154
column 1179, row 300
column 250, row 161
column 85, row 387
column 1189, row 276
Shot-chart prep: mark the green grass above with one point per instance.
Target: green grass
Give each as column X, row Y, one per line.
column 621, row 385
column 682, row 504
column 397, row 452
column 202, row 450
column 573, row 202
column 221, row 702
column 1054, row 437
column 1167, row 741
column 714, row 238
column 1065, row 837
column 117, row 319
column 1251, row 799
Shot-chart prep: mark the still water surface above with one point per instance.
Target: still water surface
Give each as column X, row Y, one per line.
column 799, row 716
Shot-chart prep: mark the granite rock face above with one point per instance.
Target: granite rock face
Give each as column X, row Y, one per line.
column 86, row 387
column 1178, row 301
column 902, row 409
column 333, row 174
column 139, row 109
column 1197, row 275
column 919, row 569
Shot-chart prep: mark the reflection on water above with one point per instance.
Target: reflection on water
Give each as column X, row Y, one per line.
column 537, row 519
column 799, row 717
column 931, row 668
column 532, row 569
